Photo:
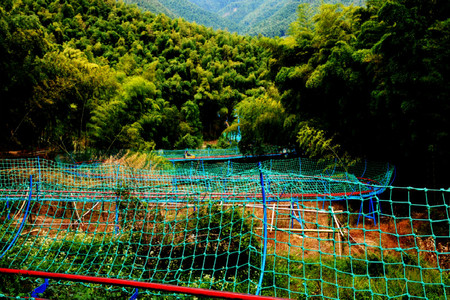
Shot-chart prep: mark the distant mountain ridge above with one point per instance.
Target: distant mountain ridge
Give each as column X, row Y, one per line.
column 186, row 10
column 214, row 5
column 266, row 17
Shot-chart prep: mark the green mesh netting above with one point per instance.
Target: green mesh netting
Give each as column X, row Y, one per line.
column 287, row 228
column 208, row 154
column 97, row 155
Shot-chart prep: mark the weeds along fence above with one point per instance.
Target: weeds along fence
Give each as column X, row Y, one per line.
column 291, row 228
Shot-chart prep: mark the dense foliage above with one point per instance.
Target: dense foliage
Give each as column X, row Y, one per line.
column 374, row 76
column 103, row 74
column 367, row 82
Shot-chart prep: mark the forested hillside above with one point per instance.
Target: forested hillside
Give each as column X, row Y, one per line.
column 266, row 17
column 153, row 6
column 349, row 82
column 103, row 74
column 189, row 11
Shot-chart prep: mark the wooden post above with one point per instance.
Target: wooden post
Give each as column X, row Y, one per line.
column 334, row 234
column 273, row 213
column 339, row 229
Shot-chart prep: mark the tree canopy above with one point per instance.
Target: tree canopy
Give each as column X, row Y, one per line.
column 374, row 77
column 104, row 74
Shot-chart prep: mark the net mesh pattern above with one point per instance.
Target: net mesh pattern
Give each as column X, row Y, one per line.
column 284, row 227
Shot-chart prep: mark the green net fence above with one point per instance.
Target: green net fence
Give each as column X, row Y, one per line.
column 98, row 156
column 294, row 228
column 207, row 154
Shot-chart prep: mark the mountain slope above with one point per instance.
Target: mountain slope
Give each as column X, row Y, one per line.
column 236, row 11
column 277, row 24
column 267, row 17
column 154, row 6
column 116, row 77
column 267, row 9
column 193, row 13
column 186, row 10
column 213, row 5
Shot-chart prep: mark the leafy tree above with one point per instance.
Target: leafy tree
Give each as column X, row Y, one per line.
column 22, row 40
column 409, row 93
column 119, row 123
column 365, row 74
column 66, row 92
column 261, row 121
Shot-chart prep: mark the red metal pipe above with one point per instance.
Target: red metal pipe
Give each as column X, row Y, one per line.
column 135, row 284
